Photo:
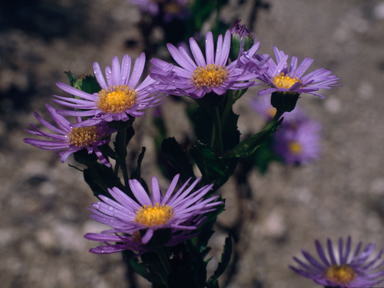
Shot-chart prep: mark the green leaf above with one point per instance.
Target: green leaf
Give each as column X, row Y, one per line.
column 248, row 146
column 138, row 267
column 137, row 173
column 210, row 165
column 225, row 258
column 86, row 83
column 71, row 78
column 176, row 155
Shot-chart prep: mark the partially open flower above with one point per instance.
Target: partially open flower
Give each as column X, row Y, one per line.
column 69, row 139
column 289, row 79
column 182, row 212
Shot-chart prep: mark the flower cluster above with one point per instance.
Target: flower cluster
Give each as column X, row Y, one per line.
column 120, row 97
column 344, row 268
column 181, row 211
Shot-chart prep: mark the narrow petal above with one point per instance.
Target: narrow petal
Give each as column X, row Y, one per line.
column 116, row 76
column 139, row 192
column 99, row 75
column 137, row 70
column 209, row 49
column 196, row 52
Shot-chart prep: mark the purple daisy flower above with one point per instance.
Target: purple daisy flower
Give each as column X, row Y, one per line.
column 120, row 95
column 297, row 141
column 68, row 138
column 200, row 76
column 343, row 268
column 181, row 211
column 290, row 79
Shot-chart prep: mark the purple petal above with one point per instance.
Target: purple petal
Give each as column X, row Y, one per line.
column 116, row 77
column 137, row 70
column 209, row 49
column 139, row 192
column 196, row 52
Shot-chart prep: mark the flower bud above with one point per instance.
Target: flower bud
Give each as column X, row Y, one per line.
column 242, row 39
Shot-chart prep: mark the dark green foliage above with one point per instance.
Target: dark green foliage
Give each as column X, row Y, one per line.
column 176, row 155
column 249, row 145
column 223, row 264
column 86, row 83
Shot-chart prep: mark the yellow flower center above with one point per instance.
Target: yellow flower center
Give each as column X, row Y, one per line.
column 116, row 100
column 150, row 216
column 209, row 76
column 343, row 274
column 283, row 81
column 83, row 136
column 294, row 147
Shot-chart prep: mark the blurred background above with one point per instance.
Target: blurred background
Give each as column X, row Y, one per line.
column 44, row 202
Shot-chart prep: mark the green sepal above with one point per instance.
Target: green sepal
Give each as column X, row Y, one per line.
column 284, row 101
column 223, row 264
column 173, row 151
column 248, row 146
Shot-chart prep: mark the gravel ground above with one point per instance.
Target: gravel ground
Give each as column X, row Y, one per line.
column 43, row 202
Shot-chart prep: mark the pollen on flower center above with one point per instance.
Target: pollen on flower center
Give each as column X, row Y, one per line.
column 150, row 216
column 83, row 136
column 116, row 100
column 343, row 274
column 294, row 147
column 209, row 76
column 283, row 81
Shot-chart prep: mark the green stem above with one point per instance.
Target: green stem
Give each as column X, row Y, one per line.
column 163, row 258
column 122, row 154
column 218, row 136
column 228, row 106
column 274, row 120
